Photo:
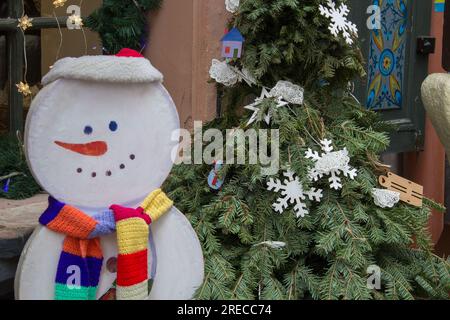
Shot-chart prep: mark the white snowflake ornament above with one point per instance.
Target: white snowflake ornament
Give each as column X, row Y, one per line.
column 292, row 192
column 385, row 198
column 339, row 22
column 256, row 109
column 331, row 164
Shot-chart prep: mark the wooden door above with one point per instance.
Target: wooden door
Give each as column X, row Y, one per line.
column 395, row 71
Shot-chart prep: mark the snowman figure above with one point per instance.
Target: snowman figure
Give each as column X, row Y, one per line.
column 99, row 139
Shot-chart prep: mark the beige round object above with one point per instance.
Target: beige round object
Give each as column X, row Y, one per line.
column 436, row 99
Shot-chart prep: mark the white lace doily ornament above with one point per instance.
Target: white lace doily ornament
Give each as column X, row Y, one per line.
column 290, row 92
column 247, row 76
column 385, row 198
column 339, row 22
column 292, row 192
column 223, row 73
column 330, row 163
column 232, row 5
column 229, row 75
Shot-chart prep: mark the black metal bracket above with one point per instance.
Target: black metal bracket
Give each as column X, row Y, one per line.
column 426, row 45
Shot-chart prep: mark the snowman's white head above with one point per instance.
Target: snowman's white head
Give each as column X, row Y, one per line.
column 97, row 136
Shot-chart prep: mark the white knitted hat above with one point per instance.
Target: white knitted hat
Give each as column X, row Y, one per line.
column 128, row 66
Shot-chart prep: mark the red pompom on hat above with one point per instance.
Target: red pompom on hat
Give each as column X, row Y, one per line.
column 129, row 53
column 127, row 66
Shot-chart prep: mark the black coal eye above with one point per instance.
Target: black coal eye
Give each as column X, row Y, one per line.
column 88, row 130
column 113, row 126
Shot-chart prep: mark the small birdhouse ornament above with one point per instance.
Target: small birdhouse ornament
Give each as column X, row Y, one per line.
column 232, row 44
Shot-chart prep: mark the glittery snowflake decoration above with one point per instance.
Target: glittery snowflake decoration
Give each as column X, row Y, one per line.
column 292, row 192
column 256, row 107
column 331, row 164
column 339, row 22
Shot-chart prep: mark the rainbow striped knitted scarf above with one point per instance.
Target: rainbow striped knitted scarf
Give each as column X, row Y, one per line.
column 81, row 259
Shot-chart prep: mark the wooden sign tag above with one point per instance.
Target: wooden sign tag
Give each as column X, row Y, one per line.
column 410, row 192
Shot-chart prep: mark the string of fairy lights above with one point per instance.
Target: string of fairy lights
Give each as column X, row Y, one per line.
column 25, row 22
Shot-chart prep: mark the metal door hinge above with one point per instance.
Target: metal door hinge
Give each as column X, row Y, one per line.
column 419, row 140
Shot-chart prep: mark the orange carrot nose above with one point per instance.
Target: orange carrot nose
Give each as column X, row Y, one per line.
column 94, row 149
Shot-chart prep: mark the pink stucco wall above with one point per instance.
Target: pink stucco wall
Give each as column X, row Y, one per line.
column 185, row 36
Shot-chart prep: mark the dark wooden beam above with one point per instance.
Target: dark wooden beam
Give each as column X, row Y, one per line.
column 446, row 39
column 10, row 25
column 15, row 70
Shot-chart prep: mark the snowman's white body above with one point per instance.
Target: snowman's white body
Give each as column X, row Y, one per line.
column 177, row 271
column 134, row 116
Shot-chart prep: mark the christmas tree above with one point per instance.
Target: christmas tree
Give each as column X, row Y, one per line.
column 325, row 233
column 122, row 24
